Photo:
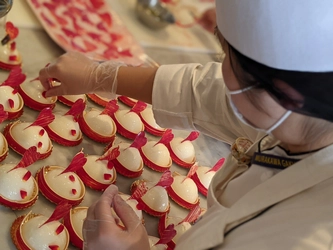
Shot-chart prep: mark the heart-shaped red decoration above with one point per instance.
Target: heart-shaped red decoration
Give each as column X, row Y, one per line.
column 11, row 30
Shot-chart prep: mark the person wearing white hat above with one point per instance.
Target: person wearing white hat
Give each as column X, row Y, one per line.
column 275, row 88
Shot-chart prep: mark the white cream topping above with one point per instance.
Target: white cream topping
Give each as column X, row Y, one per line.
column 183, row 150
column 101, row 124
column 5, row 52
column 11, row 183
column 96, row 169
column 157, row 199
column 63, row 125
column 130, row 121
column 77, row 218
column 29, row 137
column 42, row 237
column 132, row 204
column 129, row 157
column 3, row 144
column 153, row 240
column 34, row 90
column 159, row 153
column 205, row 177
column 74, row 98
column 148, row 116
column 62, row 185
column 6, row 93
column 186, row 189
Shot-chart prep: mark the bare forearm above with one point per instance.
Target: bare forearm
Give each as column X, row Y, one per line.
column 136, row 82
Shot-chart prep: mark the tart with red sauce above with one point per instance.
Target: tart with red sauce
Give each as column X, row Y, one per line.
column 204, row 175
column 65, row 129
column 35, row 231
column 156, row 155
column 69, row 100
column 73, row 221
column 23, row 135
column 129, row 163
column 148, row 120
column 9, row 55
column 153, row 199
column 71, row 189
column 99, row 99
column 98, row 172
column 33, row 94
column 182, row 150
column 10, row 99
column 183, row 189
column 18, row 189
column 128, row 122
column 98, row 125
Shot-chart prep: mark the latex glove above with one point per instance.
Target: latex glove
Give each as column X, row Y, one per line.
column 80, row 75
column 208, row 20
column 100, row 229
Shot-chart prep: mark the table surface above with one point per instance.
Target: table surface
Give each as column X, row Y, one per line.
column 37, row 50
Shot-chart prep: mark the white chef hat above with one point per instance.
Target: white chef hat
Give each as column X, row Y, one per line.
column 284, row 34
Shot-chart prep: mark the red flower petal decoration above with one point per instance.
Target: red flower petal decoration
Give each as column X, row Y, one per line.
column 40, row 144
column 71, row 178
column 41, row 132
column 192, row 171
column 77, row 162
column 73, row 132
column 193, row 215
column 106, row 17
column 97, row 3
column 44, row 118
column 165, row 180
column 15, row 78
column 11, row 103
column 3, row 114
column 54, row 247
column 26, row 176
column 167, row 235
column 74, row 191
column 218, row 165
column 11, row 30
column 60, row 229
column 139, row 107
column 29, row 157
column 77, row 108
column 166, row 138
column 60, row 211
column 192, row 136
column 111, row 108
column 139, row 141
column 23, row 194
column 110, row 155
column 107, row 177
column 139, row 191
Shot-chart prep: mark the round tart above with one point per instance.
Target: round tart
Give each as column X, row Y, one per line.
column 65, row 129
column 184, row 191
column 73, row 221
column 103, row 101
column 128, row 101
column 98, row 173
column 133, row 204
column 69, row 100
column 128, row 122
column 18, row 189
column 34, row 231
column 10, row 99
column 182, row 150
column 71, row 189
column 32, row 92
column 9, row 55
column 24, row 135
column 204, row 175
column 153, row 199
column 129, row 163
column 98, row 126
column 148, row 120
column 3, row 147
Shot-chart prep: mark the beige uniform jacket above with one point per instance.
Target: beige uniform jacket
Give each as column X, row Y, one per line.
column 291, row 210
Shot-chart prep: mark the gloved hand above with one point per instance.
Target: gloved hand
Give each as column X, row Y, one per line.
column 80, row 75
column 100, row 229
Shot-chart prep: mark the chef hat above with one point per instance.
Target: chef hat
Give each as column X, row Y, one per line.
column 283, row 34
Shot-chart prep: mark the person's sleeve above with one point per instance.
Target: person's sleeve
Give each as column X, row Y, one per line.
column 192, row 97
